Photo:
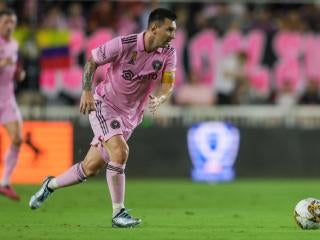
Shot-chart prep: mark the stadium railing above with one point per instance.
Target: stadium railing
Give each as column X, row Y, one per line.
column 245, row 116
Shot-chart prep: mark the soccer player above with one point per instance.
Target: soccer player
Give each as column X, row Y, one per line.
column 139, row 64
column 10, row 116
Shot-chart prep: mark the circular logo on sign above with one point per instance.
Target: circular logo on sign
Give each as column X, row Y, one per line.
column 127, row 75
column 115, row 124
column 156, row 64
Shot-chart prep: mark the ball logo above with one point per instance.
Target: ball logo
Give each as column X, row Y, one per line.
column 115, row 124
column 127, row 75
column 156, row 64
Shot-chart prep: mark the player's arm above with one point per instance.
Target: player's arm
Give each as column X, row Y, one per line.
column 101, row 55
column 20, row 73
column 87, row 101
column 164, row 91
column 5, row 61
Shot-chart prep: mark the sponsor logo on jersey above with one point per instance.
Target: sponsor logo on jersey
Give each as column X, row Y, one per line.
column 128, row 75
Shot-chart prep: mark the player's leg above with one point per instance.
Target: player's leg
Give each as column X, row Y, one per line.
column 14, row 130
column 109, row 131
column 118, row 152
column 78, row 173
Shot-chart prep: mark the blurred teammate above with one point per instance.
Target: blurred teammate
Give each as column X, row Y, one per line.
column 10, row 116
column 139, row 63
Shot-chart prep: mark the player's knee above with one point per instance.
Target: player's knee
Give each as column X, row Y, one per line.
column 90, row 168
column 120, row 154
column 17, row 140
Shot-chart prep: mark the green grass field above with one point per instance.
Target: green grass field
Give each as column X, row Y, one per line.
column 170, row 209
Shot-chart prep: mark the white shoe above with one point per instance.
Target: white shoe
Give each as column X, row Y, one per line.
column 124, row 220
column 39, row 197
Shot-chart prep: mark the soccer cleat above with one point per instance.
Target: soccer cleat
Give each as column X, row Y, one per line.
column 9, row 192
column 124, row 220
column 39, row 197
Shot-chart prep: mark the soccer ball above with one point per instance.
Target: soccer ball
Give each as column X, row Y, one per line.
column 307, row 213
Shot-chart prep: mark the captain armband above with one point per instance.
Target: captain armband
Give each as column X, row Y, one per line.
column 169, row 77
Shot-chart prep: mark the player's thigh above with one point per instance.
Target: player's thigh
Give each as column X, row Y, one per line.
column 14, row 130
column 105, row 123
column 9, row 112
column 93, row 161
column 117, row 147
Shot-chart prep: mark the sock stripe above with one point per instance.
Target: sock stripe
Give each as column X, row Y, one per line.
column 80, row 172
column 115, row 169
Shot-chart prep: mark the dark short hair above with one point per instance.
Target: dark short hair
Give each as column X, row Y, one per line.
column 160, row 14
column 7, row 11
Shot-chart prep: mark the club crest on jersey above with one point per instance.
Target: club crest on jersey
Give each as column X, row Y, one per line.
column 133, row 58
column 156, row 64
column 115, row 124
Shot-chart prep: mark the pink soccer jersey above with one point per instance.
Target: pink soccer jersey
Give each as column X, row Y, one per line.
column 132, row 75
column 8, row 49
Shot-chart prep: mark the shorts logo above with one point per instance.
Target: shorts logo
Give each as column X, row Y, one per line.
column 156, row 64
column 115, row 124
column 127, row 75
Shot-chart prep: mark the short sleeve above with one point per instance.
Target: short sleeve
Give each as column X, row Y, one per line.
column 107, row 52
column 16, row 52
column 171, row 61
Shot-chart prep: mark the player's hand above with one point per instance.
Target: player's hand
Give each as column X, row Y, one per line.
column 154, row 103
column 20, row 75
column 6, row 61
column 87, row 102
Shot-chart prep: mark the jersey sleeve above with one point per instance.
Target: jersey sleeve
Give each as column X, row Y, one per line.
column 107, row 52
column 15, row 55
column 171, row 61
column 169, row 72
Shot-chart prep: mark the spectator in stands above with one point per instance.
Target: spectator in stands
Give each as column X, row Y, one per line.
column 242, row 90
column 55, row 18
column 101, row 15
column 180, row 44
column 228, row 70
column 201, row 59
column 286, row 96
column 3, row 4
column 127, row 21
column 311, row 94
column 76, row 19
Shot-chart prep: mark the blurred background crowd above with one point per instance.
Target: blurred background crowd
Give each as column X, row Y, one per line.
column 228, row 53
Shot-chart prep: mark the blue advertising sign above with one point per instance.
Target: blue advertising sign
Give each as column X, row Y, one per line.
column 213, row 148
